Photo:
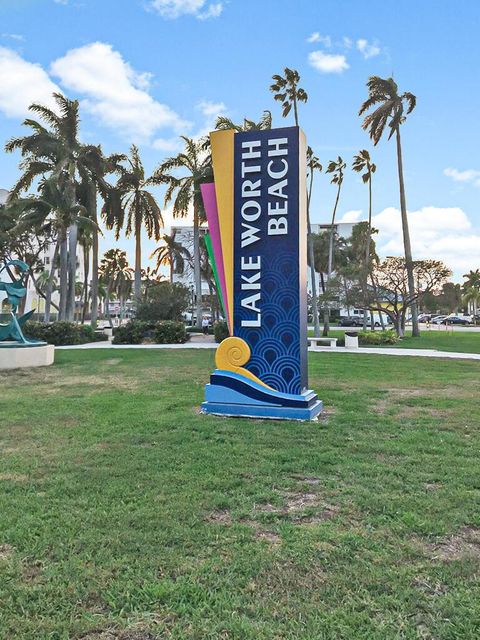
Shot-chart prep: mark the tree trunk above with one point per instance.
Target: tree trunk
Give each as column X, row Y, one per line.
column 367, row 251
column 196, row 266
column 326, row 315
column 51, row 277
column 107, row 305
column 86, row 270
column 311, row 259
column 92, row 206
column 72, row 271
column 406, row 239
column 138, row 258
column 62, row 315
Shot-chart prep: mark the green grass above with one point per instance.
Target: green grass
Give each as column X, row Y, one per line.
column 125, row 514
column 461, row 341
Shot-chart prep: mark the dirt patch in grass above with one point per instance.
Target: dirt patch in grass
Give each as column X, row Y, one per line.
column 220, row 516
column 13, row 477
column 6, row 551
column 465, row 543
column 32, row 570
column 433, row 486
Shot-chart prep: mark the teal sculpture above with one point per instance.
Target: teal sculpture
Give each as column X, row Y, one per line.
column 11, row 331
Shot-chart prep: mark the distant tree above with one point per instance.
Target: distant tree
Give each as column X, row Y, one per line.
column 165, row 301
column 336, row 168
column 363, row 164
column 471, row 298
column 472, row 279
column 116, row 276
column 313, row 164
column 172, row 254
column 223, row 123
column 392, row 292
column 286, row 90
column 392, row 108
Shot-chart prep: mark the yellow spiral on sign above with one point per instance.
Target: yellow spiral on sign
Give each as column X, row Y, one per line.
column 232, row 353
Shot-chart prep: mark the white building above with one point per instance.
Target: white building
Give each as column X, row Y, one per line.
column 185, row 276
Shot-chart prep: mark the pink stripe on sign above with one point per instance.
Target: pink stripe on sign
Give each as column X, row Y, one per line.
column 210, row 203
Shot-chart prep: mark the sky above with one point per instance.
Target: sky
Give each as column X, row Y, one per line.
column 147, row 71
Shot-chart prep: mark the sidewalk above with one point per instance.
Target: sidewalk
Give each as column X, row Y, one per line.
column 209, row 344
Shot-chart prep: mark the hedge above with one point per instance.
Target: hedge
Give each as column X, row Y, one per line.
column 62, row 333
column 163, row 332
column 220, row 331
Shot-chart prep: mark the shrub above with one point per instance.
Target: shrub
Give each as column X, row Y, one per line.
column 377, row 337
column 169, row 332
column 134, row 332
column 164, row 301
column 62, row 333
column 220, row 331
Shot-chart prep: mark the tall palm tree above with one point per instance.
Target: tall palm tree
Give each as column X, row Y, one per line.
column 116, row 276
column 223, row 123
column 195, row 163
column 362, row 163
column 286, row 90
column 130, row 196
column 392, row 110
column 471, row 298
column 336, row 168
column 313, row 164
column 172, row 254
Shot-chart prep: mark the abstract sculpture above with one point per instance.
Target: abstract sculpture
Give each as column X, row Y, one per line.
column 11, row 331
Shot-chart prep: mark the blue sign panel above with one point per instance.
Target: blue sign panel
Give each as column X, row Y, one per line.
column 269, row 279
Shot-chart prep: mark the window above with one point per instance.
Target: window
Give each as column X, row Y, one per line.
column 46, row 260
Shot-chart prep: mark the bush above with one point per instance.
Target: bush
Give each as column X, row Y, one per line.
column 377, row 337
column 62, row 333
column 169, row 332
column 164, row 301
column 134, row 332
column 220, row 331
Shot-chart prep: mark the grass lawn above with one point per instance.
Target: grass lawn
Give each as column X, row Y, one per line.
column 461, row 341
column 125, row 514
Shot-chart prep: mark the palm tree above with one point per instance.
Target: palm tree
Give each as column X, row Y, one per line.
column 313, row 164
column 472, row 279
column 223, row 123
column 172, row 254
column 286, row 90
column 471, row 298
column 116, row 276
column 130, row 196
column 393, row 109
column 336, row 168
column 362, row 163
column 185, row 192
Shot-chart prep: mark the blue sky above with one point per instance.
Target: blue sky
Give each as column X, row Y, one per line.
column 147, row 70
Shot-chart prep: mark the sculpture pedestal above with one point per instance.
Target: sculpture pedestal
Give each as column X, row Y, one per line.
column 17, row 356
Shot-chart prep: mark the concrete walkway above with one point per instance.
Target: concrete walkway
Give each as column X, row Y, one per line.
column 204, row 344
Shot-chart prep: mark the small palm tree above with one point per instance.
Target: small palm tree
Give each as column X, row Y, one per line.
column 391, row 108
column 223, row 123
column 472, row 279
column 116, row 276
column 172, row 254
column 363, row 164
column 195, row 163
column 336, row 168
column 286, row 90
column 313, row 164
column 131, row 196
column 472, row 299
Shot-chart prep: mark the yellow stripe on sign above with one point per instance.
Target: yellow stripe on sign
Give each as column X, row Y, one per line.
column 222, row 158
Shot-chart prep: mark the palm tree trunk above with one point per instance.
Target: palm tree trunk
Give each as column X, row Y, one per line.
column 107, row 304
column 63, row 275
column 311, row 258
column 92, row 206
column 406, row 239
column 138, row 258
column 86, row 269
column 171, row 269
column 72, row 270
column 367, row 253
column 196, row 266
column 51, row 277
column 326, row 314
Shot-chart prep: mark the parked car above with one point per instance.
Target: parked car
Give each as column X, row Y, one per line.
column 350, row 321
column 425, row 317
column 437, row 319
column 461, row 320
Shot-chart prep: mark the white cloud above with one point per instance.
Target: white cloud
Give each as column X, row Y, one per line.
column 316, row 37
column 368, row 49
column 200, row 9
column 14, row 36
column 355, row 215
column 469, row 176
column 328, row 63
column 347, row 42
column 22, row 83
column 115, row 92
column 210, row 110
column 441, row 233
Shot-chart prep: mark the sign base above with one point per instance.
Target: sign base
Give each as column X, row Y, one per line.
column 231, row 394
